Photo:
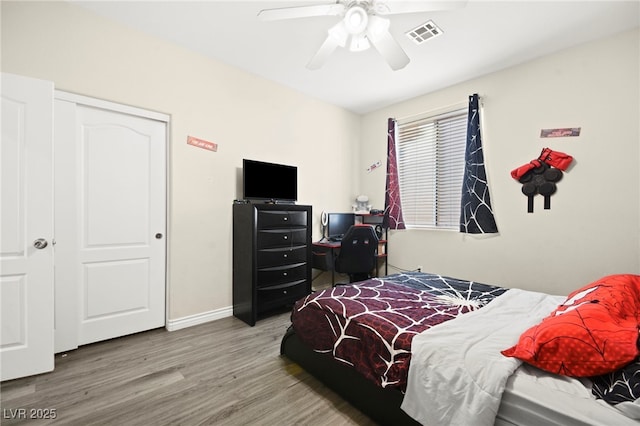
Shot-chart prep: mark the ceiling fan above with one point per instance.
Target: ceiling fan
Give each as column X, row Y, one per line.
column 361, row 26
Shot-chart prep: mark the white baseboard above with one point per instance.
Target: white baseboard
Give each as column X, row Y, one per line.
column 191, row 320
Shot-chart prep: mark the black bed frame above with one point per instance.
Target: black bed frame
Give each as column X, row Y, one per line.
column 381, row 404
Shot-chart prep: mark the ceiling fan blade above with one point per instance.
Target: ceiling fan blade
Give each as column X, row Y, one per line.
column 391, row 51
column 301, row 12
column 337, row 37
column 380, row 37
column 327, row 48
column 399, row 7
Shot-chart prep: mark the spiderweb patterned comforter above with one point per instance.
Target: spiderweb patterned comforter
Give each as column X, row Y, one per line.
column 370, row 324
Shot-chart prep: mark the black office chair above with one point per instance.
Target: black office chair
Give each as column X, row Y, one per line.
column 357, row 256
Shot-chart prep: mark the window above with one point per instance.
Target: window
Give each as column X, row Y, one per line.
column 430, row 152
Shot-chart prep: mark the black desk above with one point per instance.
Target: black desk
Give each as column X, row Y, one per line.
column 325, row 253
column 324, row 256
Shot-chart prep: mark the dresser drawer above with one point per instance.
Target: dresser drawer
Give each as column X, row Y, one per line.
column 281, row 219
column 272, row 238
column 272, row 297
column 281, row 256
column 281, row 274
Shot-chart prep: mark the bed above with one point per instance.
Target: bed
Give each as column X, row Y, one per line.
column 406, row 348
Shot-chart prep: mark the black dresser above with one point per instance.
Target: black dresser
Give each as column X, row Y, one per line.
column 271, row 257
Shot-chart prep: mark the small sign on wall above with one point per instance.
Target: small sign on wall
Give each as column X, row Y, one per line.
column 201, row 143
column 374, row 166
column 560, row 133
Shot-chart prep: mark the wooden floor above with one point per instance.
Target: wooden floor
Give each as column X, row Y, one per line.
column 222, row 372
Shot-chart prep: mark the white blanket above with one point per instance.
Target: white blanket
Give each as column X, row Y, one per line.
column 457, row 373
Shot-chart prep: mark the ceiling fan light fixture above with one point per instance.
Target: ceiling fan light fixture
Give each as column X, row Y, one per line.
column 359, row 42
column 378, row 27
column 356, row 19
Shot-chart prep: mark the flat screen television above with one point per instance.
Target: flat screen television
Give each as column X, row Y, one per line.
column 338, row 224
column 269, row 181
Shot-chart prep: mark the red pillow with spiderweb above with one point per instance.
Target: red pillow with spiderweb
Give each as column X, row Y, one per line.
column 595, row 330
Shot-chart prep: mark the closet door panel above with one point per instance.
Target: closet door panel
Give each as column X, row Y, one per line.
column 26, row 233
column 111, row 219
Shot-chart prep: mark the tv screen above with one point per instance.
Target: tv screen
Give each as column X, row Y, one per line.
column 338, row 224
column 269, row 181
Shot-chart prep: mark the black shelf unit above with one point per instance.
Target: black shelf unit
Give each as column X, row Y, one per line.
column 271, row 257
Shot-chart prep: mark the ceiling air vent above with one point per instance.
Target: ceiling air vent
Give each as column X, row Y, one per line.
column 424, row 32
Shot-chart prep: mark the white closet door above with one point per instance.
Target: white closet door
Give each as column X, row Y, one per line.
column 111, row 199
column 26, row 249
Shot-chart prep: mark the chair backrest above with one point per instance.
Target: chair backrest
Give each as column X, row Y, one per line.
column 357, row 250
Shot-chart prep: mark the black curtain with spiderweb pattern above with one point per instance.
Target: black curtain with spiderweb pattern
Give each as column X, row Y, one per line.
column 476, row 215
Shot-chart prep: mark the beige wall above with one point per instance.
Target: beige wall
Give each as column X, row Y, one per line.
column 593, row 227
column 247, row 116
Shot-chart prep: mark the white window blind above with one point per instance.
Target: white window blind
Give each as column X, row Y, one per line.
column 430, row 153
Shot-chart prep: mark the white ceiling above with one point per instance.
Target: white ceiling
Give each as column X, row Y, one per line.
column 483, row 37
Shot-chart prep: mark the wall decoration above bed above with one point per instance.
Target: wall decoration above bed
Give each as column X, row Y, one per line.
column 540, row 176
column 560, row 133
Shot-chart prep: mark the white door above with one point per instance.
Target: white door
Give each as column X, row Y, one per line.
column 26, row 232
column 110, row 222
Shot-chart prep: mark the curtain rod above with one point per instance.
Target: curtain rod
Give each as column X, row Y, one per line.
column 442, row 109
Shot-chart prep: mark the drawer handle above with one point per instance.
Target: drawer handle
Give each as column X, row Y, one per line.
column 285, row 255
column 285, row 237
column 284, row 273
column 285, row 291
column 285, row 219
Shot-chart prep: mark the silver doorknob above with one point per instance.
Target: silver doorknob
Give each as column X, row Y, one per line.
column 40, row 243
